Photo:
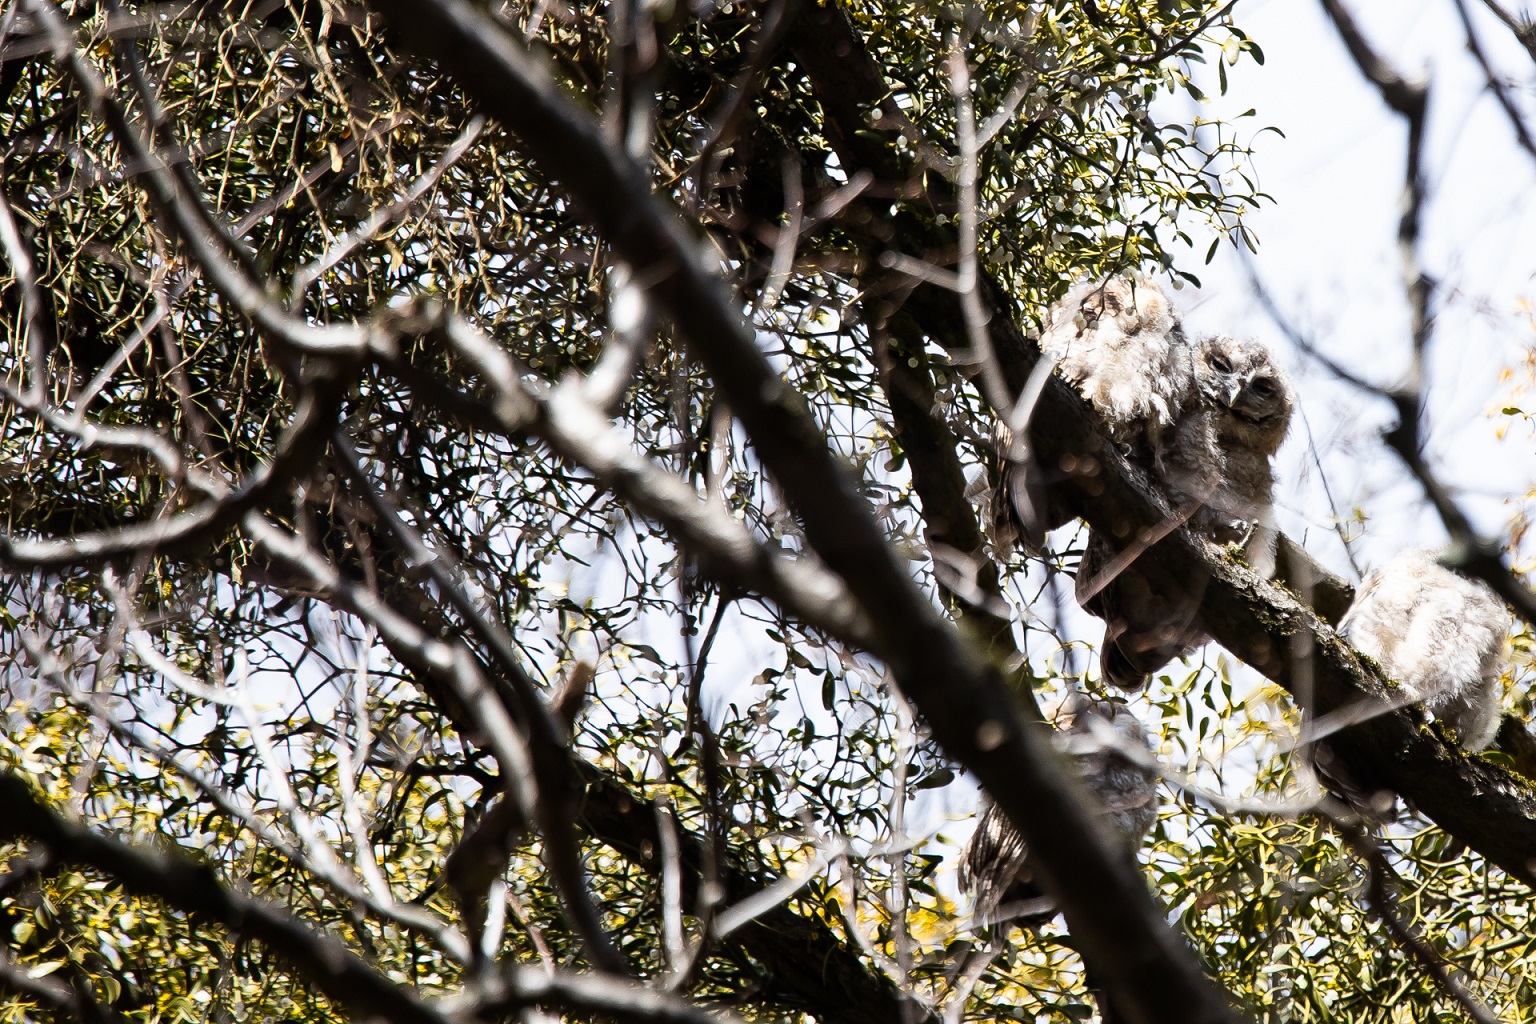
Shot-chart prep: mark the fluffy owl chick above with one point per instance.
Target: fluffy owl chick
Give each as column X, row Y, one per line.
column 1213, row 465
column 1248, row 401
column 1440, row 635
column 994, row 866
column 1121, row 344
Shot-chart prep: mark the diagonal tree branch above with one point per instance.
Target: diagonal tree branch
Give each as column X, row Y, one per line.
column 334, row 970
column 572, row 423
column 492, row 714
column 807, row 965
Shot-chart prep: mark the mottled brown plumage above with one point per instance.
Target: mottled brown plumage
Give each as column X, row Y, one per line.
column 1250, row 403
column 995, row 867
column 1213, row 466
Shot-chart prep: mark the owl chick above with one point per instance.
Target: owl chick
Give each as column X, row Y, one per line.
column 994, row 866
column 1440, row 635
column 1151, row 617
column 1250, row 402
column 1121, row 344
column 1214, row 468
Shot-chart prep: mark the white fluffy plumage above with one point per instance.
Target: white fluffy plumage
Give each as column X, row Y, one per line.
column 1442, row 637
column 1121, row 344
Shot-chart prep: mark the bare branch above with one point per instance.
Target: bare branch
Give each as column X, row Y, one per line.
column 1470, row 552
column 579, row 430
column 1519, row 24
column 337, row 972
column 293, row 456
column 382, row 217
column 456, row 668
column 1496, row 85
column 413, row 918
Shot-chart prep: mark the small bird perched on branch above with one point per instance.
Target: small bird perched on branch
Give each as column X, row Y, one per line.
column 1213, row 466
column 1442, row 637
column 1110, row 750
column 1121, row 345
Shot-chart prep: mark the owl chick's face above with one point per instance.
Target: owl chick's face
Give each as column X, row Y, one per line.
column 1084, row 716
column 1250, row 393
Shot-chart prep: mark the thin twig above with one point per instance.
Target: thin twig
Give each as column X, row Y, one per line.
column 382, row 217
column 1498, row 87
column 1469, row 552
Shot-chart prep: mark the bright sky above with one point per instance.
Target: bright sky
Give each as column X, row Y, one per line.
column 1328, row 255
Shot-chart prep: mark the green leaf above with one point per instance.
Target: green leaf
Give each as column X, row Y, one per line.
column 941, row 777
column 1498, row 757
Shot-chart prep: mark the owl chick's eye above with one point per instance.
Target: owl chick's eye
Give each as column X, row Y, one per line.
column 1219, row 362
column 1263, row 387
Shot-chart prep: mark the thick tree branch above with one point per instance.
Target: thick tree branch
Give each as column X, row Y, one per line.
column 491, row 714
column 808, row 966
column 338, row 973
column 559, row 790
column 573, row 424
column 953, row 535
